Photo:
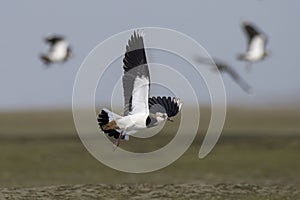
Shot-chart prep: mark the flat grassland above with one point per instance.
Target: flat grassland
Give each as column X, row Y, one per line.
column 256, row 157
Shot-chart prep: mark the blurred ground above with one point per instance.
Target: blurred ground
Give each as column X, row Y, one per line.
column 151, row 191
column 257, row 157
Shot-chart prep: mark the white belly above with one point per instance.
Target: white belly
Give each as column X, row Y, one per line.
column 132, row 122
column 255, row 55
column 256, row 49
column 59, row 51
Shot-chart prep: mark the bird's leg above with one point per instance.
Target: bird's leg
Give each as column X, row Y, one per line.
column 117, row 143
column 119, row 139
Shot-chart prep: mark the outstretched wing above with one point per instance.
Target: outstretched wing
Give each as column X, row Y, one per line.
column 136, row 78
column 53, row 39
column 239, row 80
column 250, row 31
column 256, row 39
column 168, row 105
column 223, row 67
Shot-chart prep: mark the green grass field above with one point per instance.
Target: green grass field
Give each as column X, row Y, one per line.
column 257, row 147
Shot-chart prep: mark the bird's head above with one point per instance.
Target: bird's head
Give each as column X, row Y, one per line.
column 160, row 117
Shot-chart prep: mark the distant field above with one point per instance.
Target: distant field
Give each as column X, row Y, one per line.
column 257, row 147
column 238, row 120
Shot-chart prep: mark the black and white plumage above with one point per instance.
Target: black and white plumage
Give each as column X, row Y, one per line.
column 160, row 108
column 136, row 78
column 225, row 68
column 59, row 51
column 167, row 105
column 257, row 41
column 140, row 111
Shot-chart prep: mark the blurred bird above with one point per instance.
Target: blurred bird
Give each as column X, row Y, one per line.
column 225, row 68
column 257, row 41
column 59, row 51
column 140, row 111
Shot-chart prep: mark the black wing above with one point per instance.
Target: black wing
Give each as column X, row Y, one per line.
column 239, row 80
column 168, row 105
column 250, row 30
column 135, row 65
column 223, row 67
column 53, row 39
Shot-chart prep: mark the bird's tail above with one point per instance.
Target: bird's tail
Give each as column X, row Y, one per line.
column 45, row 59
column 106, row 121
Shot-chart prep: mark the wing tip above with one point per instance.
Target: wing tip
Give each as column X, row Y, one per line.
column 171, row 105
column 142, row 33
column 179, row 103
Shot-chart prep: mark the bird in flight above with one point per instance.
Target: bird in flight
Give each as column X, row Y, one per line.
column 225, row 68
column 59, row 51
column 140, row 110
column 257, row 41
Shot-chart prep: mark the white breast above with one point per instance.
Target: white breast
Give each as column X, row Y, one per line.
column 256, row 48
column 59, row 51
column 132, row 122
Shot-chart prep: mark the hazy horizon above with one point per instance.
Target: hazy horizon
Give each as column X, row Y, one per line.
column 25, row 83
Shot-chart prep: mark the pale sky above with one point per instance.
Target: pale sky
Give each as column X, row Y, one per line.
column 26, row 84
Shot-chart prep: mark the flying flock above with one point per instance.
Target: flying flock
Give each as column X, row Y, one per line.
column 140, row 110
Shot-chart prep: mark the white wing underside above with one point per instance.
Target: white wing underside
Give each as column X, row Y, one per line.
column 256, row 47
column 140, row 108
column 140, row 96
